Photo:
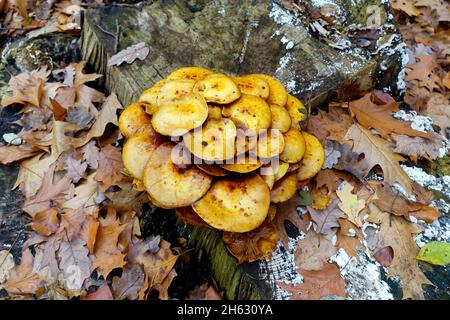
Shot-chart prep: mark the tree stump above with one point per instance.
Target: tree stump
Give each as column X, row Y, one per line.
column 253, row 36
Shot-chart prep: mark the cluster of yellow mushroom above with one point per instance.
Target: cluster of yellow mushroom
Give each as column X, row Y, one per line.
column 225, row 148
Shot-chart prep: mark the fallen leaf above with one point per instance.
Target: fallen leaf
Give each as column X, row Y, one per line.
column 107, row 114
column 102, row 293
column 79, row 115
column 85, row 195
column 253, row 245
column 406, row 6
column 396, row 204
column 91, row 154
column 317, row 284
column 129, row 284
column 374, row 110
column 31, row 173
column 349, row 238
column 107, row 255
column 128, row 55
column 287, row 211
column 22, row 279
column 88, row 232
column 424, row 71
column 26, row 87
column 435, row 252
column 71, row 223
column 384, row 256
column 127, row 198
column 204, row 292
column 75, row 169
column 325, row 221
column 157, row 262
column 48, row 193
column 75, row 263
column 46, row 222
column 313, row 251
column 350, row 203
column 377, row 152
column 6, row 264
column 396, row 232
column 163, row 287
column 10, row 154
column 417, row 147
column 109, row 167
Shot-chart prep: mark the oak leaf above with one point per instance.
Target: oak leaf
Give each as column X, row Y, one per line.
column 350, row 203
column 91, row 154
column 397, row 232
column 317, row 284
column 313, row 251
column 128, row 55
column 418, row 147
column 407, row 6
column 396, row 204
column 71, row 223
column 349, row 238
column 377, row 152
column 129, row 284
column 109, row 167
column 374, row 110
column 85, row 195
column 204, row 292
column 325, row 221
column 88, row 232
column 107, row 255
column 75, row 169
column 287, row 211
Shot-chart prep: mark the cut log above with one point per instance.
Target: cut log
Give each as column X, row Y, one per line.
column 254, row 36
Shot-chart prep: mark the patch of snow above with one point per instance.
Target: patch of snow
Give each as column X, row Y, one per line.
column 363, row 279
column 438, row 230
column 441, row 184
column 418, row 122
column 282, row 268
column 282, row 16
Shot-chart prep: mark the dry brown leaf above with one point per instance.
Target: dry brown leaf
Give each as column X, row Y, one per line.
column 10, row 154
column 129, row 284
column 288, row 211
column 397, row 233
column 128, row 55
column 425, row 72
column 384, row 256
column 204, row 292
column 26, row 87
column 109, row 167
column 396, row 204
column 71, row 223
column 75, row 263
column 417, row 147
column 107, row 255
column 46, row 222
column 377, row 152
column 22, row 279
column 325, row 221
column 374, row 110
column 329, row 126
column 75, row 169
column 85, row 195
column 88, row 232
column 346, row 242
column 313, row 251
column 317, row 284
column 48, row 193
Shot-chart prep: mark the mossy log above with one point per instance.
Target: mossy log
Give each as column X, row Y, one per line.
column 253, row 36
